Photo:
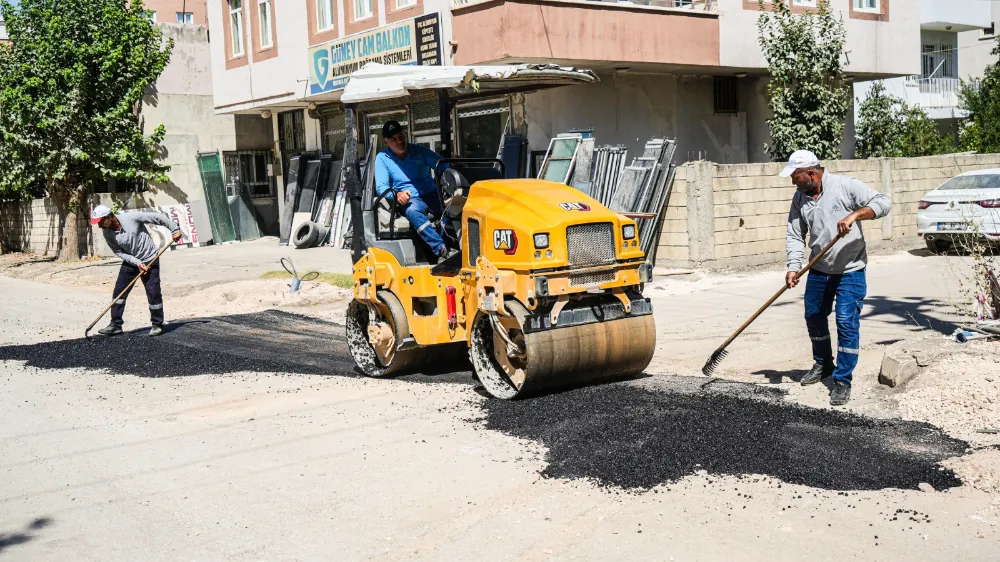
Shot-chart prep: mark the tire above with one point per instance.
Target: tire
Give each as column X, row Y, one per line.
column 938, row 246
column 357, row 337
column 306, row 235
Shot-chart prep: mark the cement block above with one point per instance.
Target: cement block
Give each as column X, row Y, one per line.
column 897, row 369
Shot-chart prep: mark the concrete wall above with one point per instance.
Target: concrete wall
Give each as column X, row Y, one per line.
column 735, row 215
column 33, row 226
column 628, row 109
column 876, row 47
column 183, row 102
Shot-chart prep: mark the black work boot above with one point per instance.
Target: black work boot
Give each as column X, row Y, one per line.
column 840, row 394
column 111, row 330
column 156, row 330
column 818, row 372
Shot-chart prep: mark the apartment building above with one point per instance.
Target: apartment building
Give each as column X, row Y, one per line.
column 975, row 46
column 3, row 31
column 956, row 37
column 190, row 12
column 685, row 68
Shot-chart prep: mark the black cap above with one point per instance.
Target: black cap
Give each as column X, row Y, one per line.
column 391, row 129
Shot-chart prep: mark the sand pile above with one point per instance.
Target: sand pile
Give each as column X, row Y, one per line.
column 960, row 394
column 241, row 297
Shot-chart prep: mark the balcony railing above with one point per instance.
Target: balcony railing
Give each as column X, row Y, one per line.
column 933, row 92
column 699, row 5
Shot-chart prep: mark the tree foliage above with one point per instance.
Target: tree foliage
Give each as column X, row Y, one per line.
column 980, row 97
column 890, row 128
column 72, row 81
column 808, row 97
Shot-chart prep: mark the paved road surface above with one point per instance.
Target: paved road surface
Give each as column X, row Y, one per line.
column 295, row 465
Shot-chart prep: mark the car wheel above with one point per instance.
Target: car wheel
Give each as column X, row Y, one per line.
column 938, row 246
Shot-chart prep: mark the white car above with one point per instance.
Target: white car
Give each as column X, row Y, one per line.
column 962, row 209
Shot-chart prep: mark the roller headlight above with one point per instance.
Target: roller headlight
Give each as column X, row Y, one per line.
column 541, row 241
column 628, row 231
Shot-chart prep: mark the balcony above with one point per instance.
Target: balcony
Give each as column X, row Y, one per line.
column 681, row 34
column 954, row 15
column 699, row 5
column 937, row 96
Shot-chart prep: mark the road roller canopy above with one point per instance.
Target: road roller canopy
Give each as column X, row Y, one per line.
column 378, row 82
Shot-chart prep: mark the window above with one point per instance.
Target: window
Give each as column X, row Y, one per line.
column 324, row 15
column 809, row 3
column 185, row 17
column 362, row 9
column 150, row 15
column 266, row 41
column 938, row 60
column 867, row 5
column 236, row 26
column 726, row 94
column 480, row 128
column 989, row 32
column 404, row 3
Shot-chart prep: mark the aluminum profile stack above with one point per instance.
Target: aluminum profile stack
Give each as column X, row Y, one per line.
column 608, row 165
column 644, row 187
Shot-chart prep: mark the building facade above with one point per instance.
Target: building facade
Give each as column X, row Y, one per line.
column 690, row 69
column 956, row 37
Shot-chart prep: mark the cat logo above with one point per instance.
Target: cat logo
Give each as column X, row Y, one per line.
column 575, row 206
column 505, row 239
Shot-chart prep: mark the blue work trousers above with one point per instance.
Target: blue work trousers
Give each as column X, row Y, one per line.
column 417, row 211
column 848, row 290
column 151, row 281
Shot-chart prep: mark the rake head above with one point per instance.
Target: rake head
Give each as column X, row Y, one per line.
column 713, row 361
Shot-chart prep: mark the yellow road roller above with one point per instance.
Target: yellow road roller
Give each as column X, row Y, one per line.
column 544, row 294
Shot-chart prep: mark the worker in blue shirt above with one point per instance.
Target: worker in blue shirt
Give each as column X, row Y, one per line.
column 406, row 170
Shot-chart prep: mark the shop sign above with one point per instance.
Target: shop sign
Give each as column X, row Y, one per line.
column 409, row 42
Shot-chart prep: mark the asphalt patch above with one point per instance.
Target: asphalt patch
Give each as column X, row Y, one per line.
column 270, row 341
column 629, row 437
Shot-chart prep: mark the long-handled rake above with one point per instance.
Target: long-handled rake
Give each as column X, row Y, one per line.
column 86, row 333
column 721, row 353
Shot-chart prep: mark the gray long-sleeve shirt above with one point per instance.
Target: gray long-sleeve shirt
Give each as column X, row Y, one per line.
column 840, row 197
column 132, row 243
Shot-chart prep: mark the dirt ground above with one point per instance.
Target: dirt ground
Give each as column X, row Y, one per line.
column 243, row 434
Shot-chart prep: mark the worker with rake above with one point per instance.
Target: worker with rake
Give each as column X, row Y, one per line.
column 128, row 238
column 828, row 206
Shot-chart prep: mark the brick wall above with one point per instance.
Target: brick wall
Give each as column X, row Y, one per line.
column 34, row 226
column 735, row 215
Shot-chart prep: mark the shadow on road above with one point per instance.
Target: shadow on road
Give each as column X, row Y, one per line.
column 8, row 540
column 270, row 341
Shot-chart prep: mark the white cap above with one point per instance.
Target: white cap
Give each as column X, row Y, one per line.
column 798, row 160
column 99, row 213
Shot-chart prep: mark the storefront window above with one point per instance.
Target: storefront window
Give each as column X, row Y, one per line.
column 481, row 127
column 376, row 120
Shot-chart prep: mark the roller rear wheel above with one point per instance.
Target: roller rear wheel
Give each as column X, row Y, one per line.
column 373, row 341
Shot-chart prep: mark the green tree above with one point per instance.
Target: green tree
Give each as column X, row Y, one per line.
column 808, row 96
column 921, row 134
column 889, row 128
column 980, row 97
column 72, row 81
column 880, row 125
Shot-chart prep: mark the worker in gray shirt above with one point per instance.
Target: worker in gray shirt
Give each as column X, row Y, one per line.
column 824, row 206
column 128, row 238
